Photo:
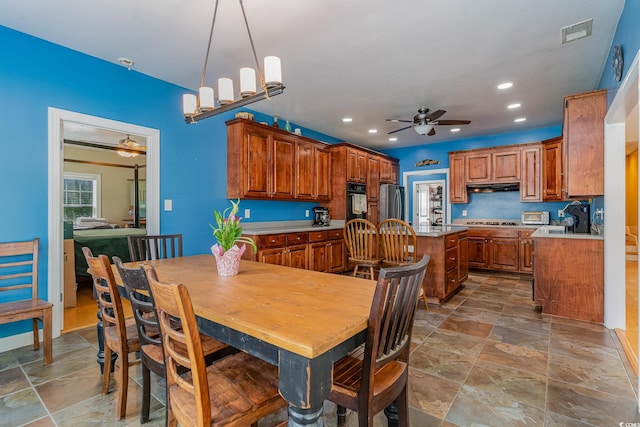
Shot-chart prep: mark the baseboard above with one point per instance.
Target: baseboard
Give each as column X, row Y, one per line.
column 17, row 341
column 632, row 357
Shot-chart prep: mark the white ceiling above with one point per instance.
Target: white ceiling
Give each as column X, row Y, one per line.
column 369, row 60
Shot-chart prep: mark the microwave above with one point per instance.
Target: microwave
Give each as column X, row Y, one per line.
column 534, row 217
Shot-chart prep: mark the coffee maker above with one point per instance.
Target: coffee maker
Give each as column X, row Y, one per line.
column 321, row 216
column 581, row 217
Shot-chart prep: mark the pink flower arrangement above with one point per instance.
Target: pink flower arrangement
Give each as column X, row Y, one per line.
column 228, row 231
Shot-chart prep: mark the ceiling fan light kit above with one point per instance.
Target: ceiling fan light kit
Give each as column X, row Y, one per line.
column 424, row 123
column 423, row 129
column 196, row 108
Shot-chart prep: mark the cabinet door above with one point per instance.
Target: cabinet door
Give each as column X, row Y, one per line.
column 526, row 255
column 386, row 172
column 530, row 173
column 583, row 131
column 552, row 170
column 373, row 178
column 356, row 165
column 458, row 190
column 463, row 258
column 271, row 256
column 335, row 252
column 283, row 167
column 318, row 256
column 257, row 170
column 322, row 174
column 503, row 254
column 477, row 250
column 373, row 212
column 305, row 171
column 505, row 165
column 478, row 167
column 297, row 257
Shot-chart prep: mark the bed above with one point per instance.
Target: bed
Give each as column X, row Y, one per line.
column 102, row 241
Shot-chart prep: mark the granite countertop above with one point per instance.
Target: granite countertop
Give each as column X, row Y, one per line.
column 557, row 231
column 438, row 230
column 277, row 227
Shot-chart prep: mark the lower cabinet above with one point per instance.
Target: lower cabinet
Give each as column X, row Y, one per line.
column 447, row 267
column 500, row 249
column 318, row 251
column 568, row 277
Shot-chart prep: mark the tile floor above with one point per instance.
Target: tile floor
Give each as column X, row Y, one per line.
column 486, row 357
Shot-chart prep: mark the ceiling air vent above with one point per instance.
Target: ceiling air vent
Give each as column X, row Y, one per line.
column 577, row 31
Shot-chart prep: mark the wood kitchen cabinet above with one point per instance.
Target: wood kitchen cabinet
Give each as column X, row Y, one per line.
column 493, row 249
column 552, row 182
column 351, row 163
column 583, row 144
column 478, row 167
column 493, row 165
column 313, row 172
column 326, row 251
column 373, row 211
column 530, row 172
column 443, row 277
column 463, row 257
column 288, row 249
column 458, row 188
column 568, row 277
column 525, row 245
column 268, row 163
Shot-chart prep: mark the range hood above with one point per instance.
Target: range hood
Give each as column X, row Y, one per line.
column 493, row 187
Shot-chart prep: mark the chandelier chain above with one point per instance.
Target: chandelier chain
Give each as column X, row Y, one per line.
column 206, row 58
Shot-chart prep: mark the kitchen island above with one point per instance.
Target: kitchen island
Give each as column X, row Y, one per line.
column 448, row 267
column 568, row 274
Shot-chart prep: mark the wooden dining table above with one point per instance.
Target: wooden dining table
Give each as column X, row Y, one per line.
column 299, row 320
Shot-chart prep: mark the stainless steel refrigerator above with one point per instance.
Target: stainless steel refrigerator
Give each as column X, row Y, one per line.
column 391, row 201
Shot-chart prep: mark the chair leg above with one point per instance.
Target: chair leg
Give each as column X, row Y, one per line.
column 36, row 335
column 47, row 336
column 402, row 406
column 106, row 374
column 146, row 394
column 342, row 416
column 123, row 386
column 355, row 271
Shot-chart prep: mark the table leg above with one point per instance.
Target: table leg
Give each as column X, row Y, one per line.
column 305, row 384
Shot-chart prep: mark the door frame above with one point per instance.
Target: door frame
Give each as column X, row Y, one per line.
column 426, row 173
column 414, row 186
column 57, row 117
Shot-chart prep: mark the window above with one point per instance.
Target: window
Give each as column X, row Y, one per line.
column 81, row 194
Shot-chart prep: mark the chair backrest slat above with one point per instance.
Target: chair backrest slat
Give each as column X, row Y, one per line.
column 18, row 267
column 361, row 238
column 398, row 241
column 143, row 248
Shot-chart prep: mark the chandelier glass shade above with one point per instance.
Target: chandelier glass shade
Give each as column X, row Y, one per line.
column 423, row 129
column 196, row 108
column 127, row 147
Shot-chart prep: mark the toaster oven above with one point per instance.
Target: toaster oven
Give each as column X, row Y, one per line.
column 534, row 217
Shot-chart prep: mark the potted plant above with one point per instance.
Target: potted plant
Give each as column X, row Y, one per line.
column 228, row 233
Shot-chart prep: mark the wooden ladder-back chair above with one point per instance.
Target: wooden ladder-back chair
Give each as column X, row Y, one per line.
column 19, row 277
column 120, row 334
column 143, row 248
column 151, row 353
column 375, row 375
column 398, row 240
column 237, row 390
column 361, row 238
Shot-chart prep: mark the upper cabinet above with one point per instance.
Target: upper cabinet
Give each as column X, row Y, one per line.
column 530, row 173
column 458, row 189
column 552, row 170
column 356, row 165
column 583, row 144
column 267, row 163
column 493, row 165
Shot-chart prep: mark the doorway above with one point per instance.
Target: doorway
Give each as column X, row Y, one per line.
column 434, row 175
column 57, row 121
column 429, row 203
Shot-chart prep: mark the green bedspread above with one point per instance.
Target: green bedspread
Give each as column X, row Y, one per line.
column 108, row 242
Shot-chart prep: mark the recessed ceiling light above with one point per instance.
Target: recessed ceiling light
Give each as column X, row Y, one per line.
column 455, row 130
column 520, row 119
column 373, row 130
column 347, row 119
column 512, row 106
column 393, row 139
column 505, row 85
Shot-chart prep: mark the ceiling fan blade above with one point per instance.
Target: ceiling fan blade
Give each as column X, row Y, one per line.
column 432, row 132
column 436, row 115
column 399, row 121
column 398, row 130
column 452, row 122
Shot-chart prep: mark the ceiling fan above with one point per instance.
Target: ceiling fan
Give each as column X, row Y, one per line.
column 424, row 122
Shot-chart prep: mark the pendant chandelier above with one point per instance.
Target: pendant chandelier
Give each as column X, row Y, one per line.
column 196, row 108
column 128, row 147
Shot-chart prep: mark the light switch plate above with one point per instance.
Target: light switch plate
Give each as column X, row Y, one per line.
column 306, row 213
column 560, row 213
column 247, row 213
column 464, row 212
column 168, row 205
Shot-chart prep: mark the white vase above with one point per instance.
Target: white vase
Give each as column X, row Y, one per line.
column 229, row 262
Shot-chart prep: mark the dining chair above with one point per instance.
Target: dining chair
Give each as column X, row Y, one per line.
column 361, row 239
column 399, row 242
column 375, row 375
column 143, row 248
column 120, row 333
column 19, row 289
column 237, row 390
column 151, row 353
